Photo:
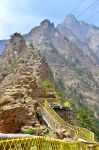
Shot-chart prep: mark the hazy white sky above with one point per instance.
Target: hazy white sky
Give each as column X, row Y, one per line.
column 23, row 15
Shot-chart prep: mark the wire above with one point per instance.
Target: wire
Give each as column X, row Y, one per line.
column 75, row 9
column 87, row 8
column 97, row 12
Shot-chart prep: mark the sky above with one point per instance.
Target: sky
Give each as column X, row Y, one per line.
column 22, row 15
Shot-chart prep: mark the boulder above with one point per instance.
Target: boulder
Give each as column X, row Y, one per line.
column 12, row 119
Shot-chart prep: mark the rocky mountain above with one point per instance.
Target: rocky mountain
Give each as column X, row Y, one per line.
column 66, row 55
column 70, row 60
column 88, row 34
column 22, row 68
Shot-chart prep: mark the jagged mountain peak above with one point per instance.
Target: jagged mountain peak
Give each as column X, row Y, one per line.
column 70, row 18
column 19, row 58
column 86, row 33
column 69, row 59
column 45, row 30
column 16, row 36
column 15, row 46
column 46, row 22
column 78, row 28
column 17, row 42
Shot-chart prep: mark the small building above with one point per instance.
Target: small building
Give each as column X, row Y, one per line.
column 63, row 111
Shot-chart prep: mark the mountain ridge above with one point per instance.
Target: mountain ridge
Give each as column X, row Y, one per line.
column 54, row 58
column 70, row 58
column 86, row 33
column 77, row 56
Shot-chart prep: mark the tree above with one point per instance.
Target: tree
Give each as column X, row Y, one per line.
column 15, row 34
column 85, row 118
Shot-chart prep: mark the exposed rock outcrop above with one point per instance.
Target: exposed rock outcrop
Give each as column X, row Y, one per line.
column 86, row 33
column 67, row 52
column 22, row 69
column 69, row 59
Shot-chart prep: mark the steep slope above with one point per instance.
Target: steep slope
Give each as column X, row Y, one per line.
column 18, row 56
column 29, row 60
column 86, row 33
column 70, row 61
column 21, row 70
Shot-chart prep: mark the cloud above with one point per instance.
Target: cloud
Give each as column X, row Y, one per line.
column 12, row 21
column 22, row 15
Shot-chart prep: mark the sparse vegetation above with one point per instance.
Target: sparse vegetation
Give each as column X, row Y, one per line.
column 67, row 103
column 72, row 83
column 50, row 133
column 46, row 86
column 60, row 89
column 66, row 92
column 31, row 131
column 10, row 67
column 85, row 118
column 15, row 34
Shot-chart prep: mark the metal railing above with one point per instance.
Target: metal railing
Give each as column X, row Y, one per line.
column 79, row 132
column 42, row 143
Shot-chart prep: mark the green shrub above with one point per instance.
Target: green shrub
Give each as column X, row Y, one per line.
column 67, row 103
column 60, row 93
column 15, row 34
column 46, row 85
column 85, row 118
column 31, row 131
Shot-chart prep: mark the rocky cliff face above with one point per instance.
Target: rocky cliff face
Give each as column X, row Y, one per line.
column 65, row 51
column 17, row 58
column 88, row 34
column 70, row 60
column 21, row 70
